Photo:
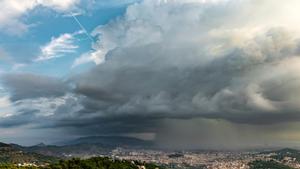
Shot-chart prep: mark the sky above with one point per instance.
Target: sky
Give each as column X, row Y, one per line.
column 217, row 74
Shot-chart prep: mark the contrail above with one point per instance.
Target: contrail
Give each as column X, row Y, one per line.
column 82, row 27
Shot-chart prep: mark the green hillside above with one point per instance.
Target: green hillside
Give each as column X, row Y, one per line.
column 259, row 164
column 287, row 152
column 101, row 163
column 92, row 163
column 10, row 154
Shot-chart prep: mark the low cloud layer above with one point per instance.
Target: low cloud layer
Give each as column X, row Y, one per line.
column 165, row 65
column 30, row 86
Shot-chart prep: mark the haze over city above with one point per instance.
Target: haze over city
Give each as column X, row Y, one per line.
column 191, row 74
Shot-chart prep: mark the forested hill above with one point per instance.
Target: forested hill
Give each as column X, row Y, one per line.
column 92, row 163
column 12, row 154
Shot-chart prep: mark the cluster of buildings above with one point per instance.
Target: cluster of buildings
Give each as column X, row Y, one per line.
column 27, row 164
column 207, row 160
column 199, row 160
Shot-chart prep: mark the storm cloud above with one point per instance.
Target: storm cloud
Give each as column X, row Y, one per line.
column 23, row 86
column 214, row 64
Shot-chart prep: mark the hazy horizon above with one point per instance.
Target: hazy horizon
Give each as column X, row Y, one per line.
column 215, row 74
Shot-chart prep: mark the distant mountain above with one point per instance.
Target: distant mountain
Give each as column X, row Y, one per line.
column 89, row 146
column 41, row 145
column 112, row 141
column 81, row 147
column 12, row 153
column 68, row 151
column 3, row 145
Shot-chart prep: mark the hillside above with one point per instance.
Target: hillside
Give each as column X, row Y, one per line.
column 103, row 163
column 259, row 164
column 287, row 152
column 283, row 154
column 11, row 154
column 77, row 150
column 91, row 163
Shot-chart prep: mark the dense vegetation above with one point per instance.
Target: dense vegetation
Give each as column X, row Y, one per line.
column 92, row 163
column 15, row 157
column 281, row 154
column 10, row 154
column 11, row 166
column 100, row 163
column 259, row 164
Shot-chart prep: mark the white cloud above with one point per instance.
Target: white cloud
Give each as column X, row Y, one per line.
column 4, row 102
column 18, row 66
column 144, row 23
column 6, row 108
column 59, row 5
column 97, row 57
column 111, row 3
column 49, row 106
column 58, row 47
column 12, row 10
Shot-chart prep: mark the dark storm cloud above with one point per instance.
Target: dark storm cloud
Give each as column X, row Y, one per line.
column 30, row 86
column 109, row 125
column 26, row 117
column 145, row 84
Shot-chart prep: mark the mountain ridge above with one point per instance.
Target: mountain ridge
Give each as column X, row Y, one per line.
column 13, row 153
column 112, row 141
